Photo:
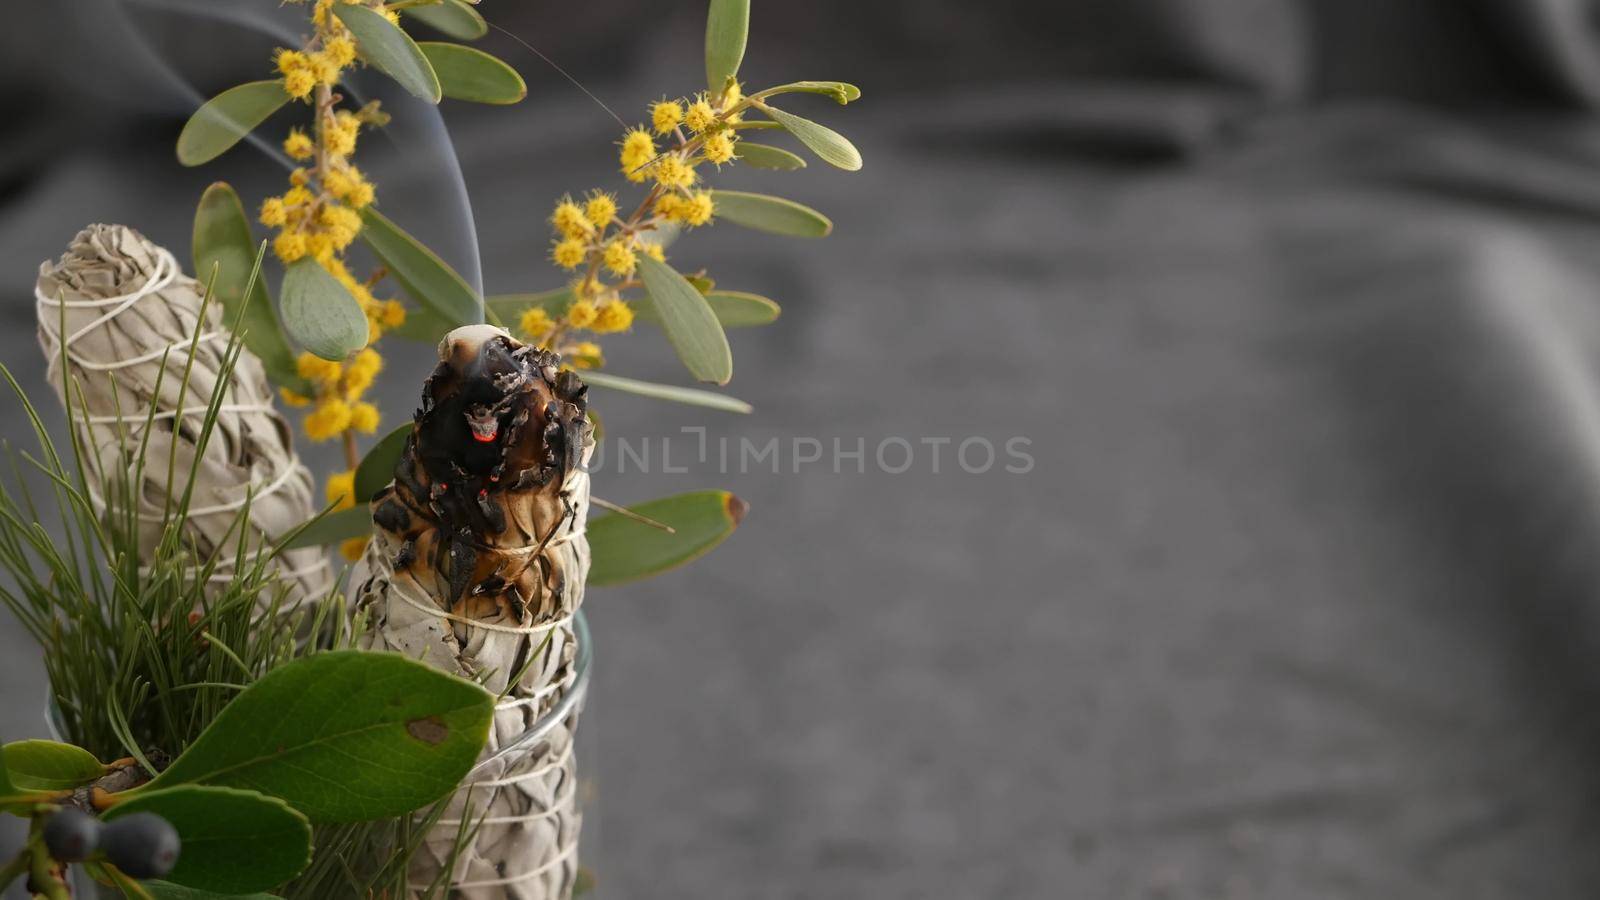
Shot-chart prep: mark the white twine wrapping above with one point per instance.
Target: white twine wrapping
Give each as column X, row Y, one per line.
column 523, row 800
column 130, row 313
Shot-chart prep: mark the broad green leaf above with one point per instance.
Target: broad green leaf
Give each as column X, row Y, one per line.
column 840, row 91
column 390, row 50
column 227, row 117
column 452, row 17
column 421, row 272
column 49, row 766
column 319, row 312
column 691, row 396
column 762, row 156
column 334, row 527
column 343, row 736
column 830, row 146
column 467, row 73
column 377, row 467
column 770, row 214
column 222, row 239
column 510, row 307
column 7, row 789
column 734, row 309
column 234, row 841
column 626, row 550
column 166, row 890
column 687, row 319
column 727, row 29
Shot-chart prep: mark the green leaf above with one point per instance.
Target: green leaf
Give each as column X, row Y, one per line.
column 7, row 789
column 319, row 313
column 829, row 145
column 691, row 396
column 840, row 91
column 774, row 215
column 333, row 528
column 420, row 271
column 222, row 239
column 687, row 319
column 626, row 550
column 166, row 890
column 727, row 29
column 738, row 309
column 510, row 307
column 734, row 309
column 48, row 766
column 452, row 17
column 390, row 50
column 762, row 156
column 377, row 467
column 234, row 841
column 227, row 117
column 467, row 73
column 343, row 736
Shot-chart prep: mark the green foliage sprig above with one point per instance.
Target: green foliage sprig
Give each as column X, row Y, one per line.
column 620, row 259
column 333, row 738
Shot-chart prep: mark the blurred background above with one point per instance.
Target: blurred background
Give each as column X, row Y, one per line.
column 1294, row 303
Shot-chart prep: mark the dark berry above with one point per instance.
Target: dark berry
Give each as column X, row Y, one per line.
column 142, row 845
column 71, row 835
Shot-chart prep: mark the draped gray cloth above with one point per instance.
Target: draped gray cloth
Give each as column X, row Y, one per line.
column 1299, row 307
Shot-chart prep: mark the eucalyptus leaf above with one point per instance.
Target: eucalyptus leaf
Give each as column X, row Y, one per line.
column 734, row 309
column 688, row 321
column 343, row 736
column 320, row 313
column 762, row 156
column 691, row 396
column 234, row 841
column 774, row 215
column 222, row 239
column 226, row 118
column 830, row 146
column 841, row 91
column 49, row 766
column 333, row 528
column 166, row 890
column 727, row 30
column 390, row 50
column 467, row 73
column 377, row 467
column 627, row 550
column 454, row 18
column 426, row 277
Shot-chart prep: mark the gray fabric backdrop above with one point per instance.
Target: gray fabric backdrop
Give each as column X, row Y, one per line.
column 1296, row 306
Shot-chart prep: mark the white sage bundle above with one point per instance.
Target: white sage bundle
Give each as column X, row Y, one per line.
column 124, row 317
column 477, row 566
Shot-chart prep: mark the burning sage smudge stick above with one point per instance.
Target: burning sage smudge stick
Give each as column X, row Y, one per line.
column 478, row 567
column 131, row 318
